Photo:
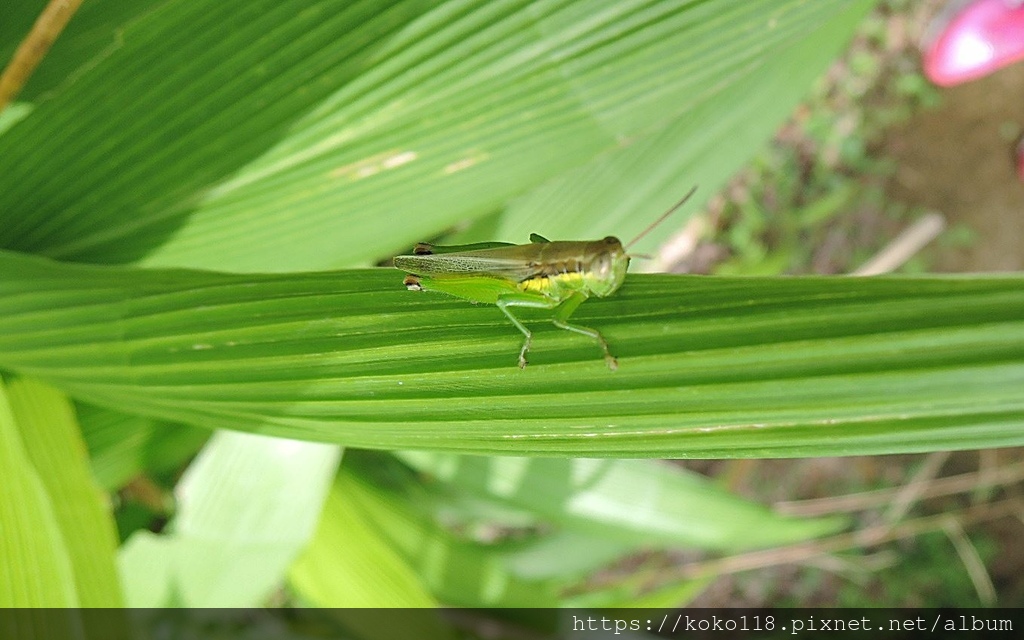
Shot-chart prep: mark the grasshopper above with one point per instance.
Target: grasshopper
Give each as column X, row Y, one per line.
column 557, row 275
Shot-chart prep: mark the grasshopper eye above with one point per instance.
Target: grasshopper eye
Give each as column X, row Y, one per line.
column 601, row 265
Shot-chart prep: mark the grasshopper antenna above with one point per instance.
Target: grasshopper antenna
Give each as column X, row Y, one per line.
column 661, row 218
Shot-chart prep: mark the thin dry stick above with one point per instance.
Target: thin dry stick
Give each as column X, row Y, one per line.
column 911, row 492
column 904, row 246
column 33, row 48
column 988, row 464
column 804, row 551
column 962, row 483
column 972, row 561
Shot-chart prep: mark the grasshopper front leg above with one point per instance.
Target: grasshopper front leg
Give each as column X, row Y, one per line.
column 566, row 309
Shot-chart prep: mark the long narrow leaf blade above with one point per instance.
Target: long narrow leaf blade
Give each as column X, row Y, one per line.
column 52, row 439
column 309, row 125
column 35, row 562
column 708, row 366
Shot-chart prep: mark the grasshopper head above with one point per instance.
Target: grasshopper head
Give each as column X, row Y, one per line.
column 607, row 267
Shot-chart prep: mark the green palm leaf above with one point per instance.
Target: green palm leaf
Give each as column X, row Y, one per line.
column 709, row 366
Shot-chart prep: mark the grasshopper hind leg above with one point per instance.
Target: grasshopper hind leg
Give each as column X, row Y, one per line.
column 561, row 318
column 563, row 311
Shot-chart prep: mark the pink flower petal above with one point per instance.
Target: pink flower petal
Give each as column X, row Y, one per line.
column 984, row 36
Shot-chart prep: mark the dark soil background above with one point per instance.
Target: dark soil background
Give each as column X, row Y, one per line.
column 957, row 159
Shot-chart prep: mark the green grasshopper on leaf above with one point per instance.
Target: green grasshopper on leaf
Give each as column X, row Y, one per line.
column 557, row 275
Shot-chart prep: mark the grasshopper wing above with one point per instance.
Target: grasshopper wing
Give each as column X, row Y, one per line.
column 460, row 264
column 513, row 262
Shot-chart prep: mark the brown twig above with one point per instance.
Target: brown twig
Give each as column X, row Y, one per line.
column 805, row 551
column 911, row 492
column 904, row 246
column 33, row 48
column 933, row 488
column 972, row 561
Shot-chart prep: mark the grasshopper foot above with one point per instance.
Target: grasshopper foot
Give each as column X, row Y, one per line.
column 522, row 352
